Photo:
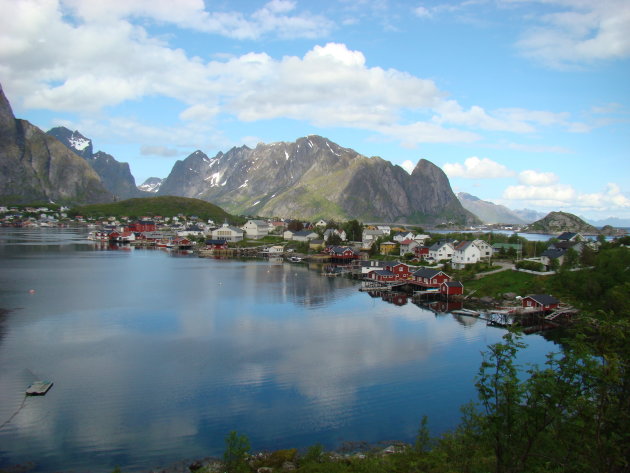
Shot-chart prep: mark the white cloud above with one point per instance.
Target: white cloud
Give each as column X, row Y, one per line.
column 565, row 196
column 424, row 132
column 50, row 59
column 408, row 166
column 515, row 120
column 535, row 178
column 199, row 112
column 560, row 195
column 579, row 32
column 477, row 168
column 274, row 18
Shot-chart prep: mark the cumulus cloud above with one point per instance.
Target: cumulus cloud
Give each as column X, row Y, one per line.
column 77, row 56
column 534, row 178
column 579, row 32
column 478, row 168
column 565, row 196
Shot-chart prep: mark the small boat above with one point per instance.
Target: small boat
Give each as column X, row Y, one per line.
column 39, row 388
column 295, row 259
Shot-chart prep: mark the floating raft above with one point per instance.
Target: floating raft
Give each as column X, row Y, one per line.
column 39, row 388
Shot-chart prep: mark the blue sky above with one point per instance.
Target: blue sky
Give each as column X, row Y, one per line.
column 524, row 103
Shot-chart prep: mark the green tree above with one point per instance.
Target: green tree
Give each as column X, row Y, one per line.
column 354, row 230
column 500, row 394
column 334, row 239
column 235, row 455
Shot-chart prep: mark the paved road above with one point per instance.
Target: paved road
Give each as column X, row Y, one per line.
column 505, row 265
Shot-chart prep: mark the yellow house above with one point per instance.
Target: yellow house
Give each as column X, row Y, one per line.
column 316, row 245
column 388, row 247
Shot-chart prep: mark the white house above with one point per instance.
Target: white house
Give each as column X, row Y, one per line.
column 402, row 236
column 386, row 229
column 302, row 235
column 372, row 235
column 470, row 252
column 256, row 229
column 441, row 250
column 334, row 231
column 407, row 246
column 321, row 224
column 275, row 250
column 422, row 239
column 225, row 232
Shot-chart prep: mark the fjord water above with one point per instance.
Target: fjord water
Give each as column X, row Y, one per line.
column 155, row 357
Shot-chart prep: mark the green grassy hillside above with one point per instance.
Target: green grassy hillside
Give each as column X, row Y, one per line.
column 165, row 206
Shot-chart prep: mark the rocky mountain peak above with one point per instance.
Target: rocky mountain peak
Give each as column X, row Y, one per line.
column 74, row 140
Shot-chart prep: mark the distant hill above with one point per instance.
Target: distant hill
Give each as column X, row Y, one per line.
column 558, row 222
column 612, row 221
column 116, row 176
column 315, row 178
column 489, row 212
column 35, row 166
column 165, row 206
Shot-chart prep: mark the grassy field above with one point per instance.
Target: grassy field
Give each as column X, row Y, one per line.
column 508, row 281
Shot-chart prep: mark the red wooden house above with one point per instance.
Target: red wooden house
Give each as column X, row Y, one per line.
column 426, row 277
column 382, row 275
column 341, row 252
column 400, row 270
column 421, row 252
column 541, row 302
column 142, row 226
column 452, row 288
column 216, row 245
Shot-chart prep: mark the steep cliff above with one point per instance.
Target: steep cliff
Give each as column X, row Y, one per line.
column 36, row 166
column 116, row 176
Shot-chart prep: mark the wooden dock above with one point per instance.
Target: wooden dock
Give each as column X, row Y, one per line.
column 39, row 388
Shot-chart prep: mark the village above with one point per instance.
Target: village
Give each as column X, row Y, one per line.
column 393, row 262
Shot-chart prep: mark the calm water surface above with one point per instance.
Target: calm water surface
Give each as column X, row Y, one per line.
column 156, row 357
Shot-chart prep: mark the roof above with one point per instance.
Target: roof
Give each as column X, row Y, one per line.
column 382, row 272
column 567, row 236
column 260, row 223
column 427, row 273
column 304, row 233
column 216, row 242
column 554, row 253
column 453, row 284
column 544, row 299
column 436, row 246
column 463, row 245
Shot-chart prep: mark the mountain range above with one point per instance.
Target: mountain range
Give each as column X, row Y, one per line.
column 489, row 212
column 309, row 178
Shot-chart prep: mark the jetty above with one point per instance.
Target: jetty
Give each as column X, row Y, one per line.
column 39, row 388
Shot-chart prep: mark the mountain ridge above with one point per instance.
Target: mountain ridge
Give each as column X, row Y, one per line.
column 115, row 175
column 314, row 177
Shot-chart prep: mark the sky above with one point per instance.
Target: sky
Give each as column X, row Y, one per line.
column 524, row 103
